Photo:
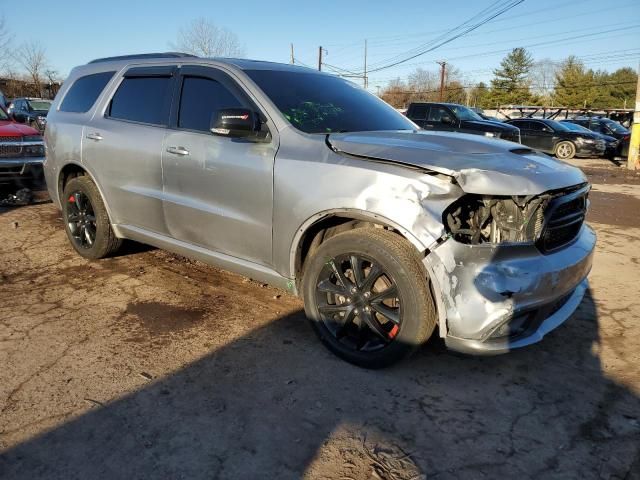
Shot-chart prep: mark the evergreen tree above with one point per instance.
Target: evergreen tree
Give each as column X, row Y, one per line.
column 575, row 86
column 510, row 84
column 622, row 87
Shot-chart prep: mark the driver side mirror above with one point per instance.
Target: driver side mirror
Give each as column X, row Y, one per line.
column 234, row 123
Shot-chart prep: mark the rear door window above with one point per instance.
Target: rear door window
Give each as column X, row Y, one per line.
column 202, row 98
column 142, row 100
column 537, row 126
column 521, row 124
column 84, row 92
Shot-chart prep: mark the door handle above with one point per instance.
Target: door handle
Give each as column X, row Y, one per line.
column 94, row 136
column 178, row 150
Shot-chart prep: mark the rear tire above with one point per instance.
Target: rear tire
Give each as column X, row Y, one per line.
column 565, row 150
column 86, row 220
column 341, row 308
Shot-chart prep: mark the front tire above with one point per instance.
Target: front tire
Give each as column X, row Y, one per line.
column 367, row 297
column 565, row 150
column 86, row 220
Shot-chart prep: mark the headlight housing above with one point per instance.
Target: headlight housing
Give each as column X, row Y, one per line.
column 35, row 147
column 476, row 219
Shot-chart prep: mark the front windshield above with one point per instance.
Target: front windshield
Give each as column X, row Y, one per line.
column 40, row 105
column 464, row 113
column 3, row 115
column 616, row 127
column 319, row 103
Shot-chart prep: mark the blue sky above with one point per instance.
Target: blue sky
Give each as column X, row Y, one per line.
column 74, row 32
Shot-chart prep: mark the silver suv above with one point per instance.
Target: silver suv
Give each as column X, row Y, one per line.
column 305, row 181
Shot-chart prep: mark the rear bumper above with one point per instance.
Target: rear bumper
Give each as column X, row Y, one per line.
column 493, row 299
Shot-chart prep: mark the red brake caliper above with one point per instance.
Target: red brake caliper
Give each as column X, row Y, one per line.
column 394, row 331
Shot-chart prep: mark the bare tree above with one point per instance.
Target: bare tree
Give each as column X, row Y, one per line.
column 203, row 38
column 543, row 79
column 33, row 58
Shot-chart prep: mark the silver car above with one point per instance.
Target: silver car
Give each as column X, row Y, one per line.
column 305, row 181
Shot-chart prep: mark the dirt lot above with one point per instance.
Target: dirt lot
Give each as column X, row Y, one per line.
column 151, row 366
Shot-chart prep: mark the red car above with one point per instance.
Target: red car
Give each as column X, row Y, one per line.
column 21, row 151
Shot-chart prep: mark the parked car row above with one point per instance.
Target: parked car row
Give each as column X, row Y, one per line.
column 579, row 137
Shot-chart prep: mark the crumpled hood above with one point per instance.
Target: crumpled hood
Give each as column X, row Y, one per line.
column 479, row 165
column 13, row 129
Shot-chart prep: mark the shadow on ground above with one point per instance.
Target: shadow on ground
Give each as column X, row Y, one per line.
column 274, row 404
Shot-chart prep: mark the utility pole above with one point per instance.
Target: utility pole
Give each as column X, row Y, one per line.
column 320, row 59
column 633, row 162
column 443, row 66
column 366, row 80
column 293, row 59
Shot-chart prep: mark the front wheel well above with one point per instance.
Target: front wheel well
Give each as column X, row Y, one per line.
column 328, row 227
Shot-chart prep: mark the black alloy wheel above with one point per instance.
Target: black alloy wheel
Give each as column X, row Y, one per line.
column 367, row 296
column 86, row 220
column 81, row 220
column 359, row 302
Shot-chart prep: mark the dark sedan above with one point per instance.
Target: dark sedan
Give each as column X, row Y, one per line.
column 556, row 139
column 606, row 126
column 612, row 144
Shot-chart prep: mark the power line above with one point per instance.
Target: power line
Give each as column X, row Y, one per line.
column 466, row 28
column 564, row 40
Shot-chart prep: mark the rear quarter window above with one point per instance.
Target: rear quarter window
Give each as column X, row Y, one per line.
column 84, row 92
column 418, row 112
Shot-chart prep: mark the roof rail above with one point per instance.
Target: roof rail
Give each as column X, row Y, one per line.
column 142, row 56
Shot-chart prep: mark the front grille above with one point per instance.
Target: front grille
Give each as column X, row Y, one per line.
column 10, row 146
column 564, row 217
column 10, row 150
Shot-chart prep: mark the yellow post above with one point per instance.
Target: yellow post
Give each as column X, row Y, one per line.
column 633, row 163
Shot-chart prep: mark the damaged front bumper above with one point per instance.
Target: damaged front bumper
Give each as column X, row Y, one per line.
column 495, row 298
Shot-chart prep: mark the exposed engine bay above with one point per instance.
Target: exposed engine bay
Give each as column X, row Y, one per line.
column 475, row 219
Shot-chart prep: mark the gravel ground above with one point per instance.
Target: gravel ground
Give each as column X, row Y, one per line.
column 149, row 365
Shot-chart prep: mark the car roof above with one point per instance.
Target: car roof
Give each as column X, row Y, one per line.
column 169, row 57
column 448, row 104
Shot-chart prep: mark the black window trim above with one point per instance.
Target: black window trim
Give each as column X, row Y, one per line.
column 212, row 73
column 168, row 71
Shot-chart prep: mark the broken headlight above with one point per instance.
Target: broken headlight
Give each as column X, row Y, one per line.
column 475, row 219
